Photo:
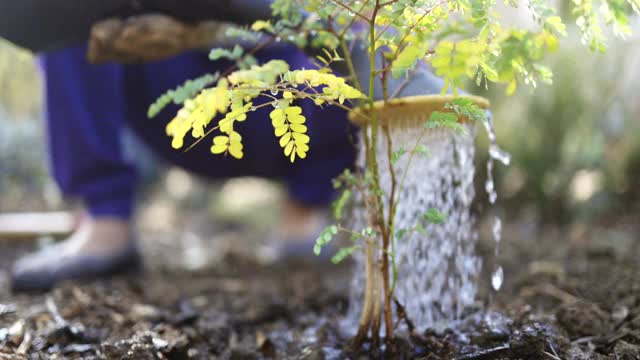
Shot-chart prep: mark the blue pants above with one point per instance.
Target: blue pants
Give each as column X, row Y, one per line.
column 88, row 107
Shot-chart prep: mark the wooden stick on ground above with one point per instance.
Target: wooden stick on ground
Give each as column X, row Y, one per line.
column 29, row 225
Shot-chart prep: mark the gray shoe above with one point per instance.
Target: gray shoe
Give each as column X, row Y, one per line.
column 40, row 271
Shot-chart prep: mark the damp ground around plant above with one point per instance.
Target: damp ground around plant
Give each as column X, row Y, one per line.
column 572, row 294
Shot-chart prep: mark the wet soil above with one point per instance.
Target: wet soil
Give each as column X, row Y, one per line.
column 572, row 294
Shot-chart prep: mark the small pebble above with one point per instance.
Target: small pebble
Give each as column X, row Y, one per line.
column 625, row 351
column 16, row 332
column 583, row 319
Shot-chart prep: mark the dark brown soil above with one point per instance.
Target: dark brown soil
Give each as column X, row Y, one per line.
column 571, row 294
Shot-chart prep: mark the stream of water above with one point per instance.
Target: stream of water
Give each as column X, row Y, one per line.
column 438, row 269
column 495, row 153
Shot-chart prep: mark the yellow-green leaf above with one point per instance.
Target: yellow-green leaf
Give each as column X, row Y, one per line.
column 303, row 138
column 289, row 148
column 219, row 148
column 221, row 140
column 280, row 130
column 235, row 149
column 284, row 140
column 298, row 128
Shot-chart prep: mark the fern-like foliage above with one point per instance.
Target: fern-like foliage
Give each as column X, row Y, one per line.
column 183, row 92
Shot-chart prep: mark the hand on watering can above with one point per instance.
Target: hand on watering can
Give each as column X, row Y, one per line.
column 149, row 37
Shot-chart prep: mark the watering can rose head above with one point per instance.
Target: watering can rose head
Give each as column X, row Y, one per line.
column 428, row 111
column 415, row 99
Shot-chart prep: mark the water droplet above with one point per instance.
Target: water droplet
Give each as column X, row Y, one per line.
column 497, row 229
column 495, row 152
column 275, row 104
column 497, row 278
column 491, row 191
column 274, row 92
column 253, row 108
column 498, row 154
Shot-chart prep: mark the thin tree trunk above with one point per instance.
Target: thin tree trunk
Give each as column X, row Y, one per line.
column 388, row 312
column 377, row 309
column 367, row 308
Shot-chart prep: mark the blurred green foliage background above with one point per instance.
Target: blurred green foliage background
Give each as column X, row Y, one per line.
column 575, row 143
column 20, row 83
column 24, row 181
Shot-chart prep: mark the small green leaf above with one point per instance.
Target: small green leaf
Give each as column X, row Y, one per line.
column 421, row 149
column 347, row 178
column 160, row 104
column 434, row 216
column 467, row 108
column 243, row 33
column 221, row 53
column 407, row 60
column 324, row 238
column 261, row 25
column 339, row 204
column 396, row 155
column 343, row 253
column 444, row 119
column 556, row 25
column 400, row 233
column 368, row 232
column 183, row 92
